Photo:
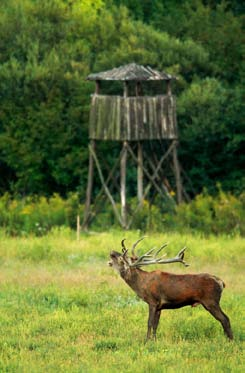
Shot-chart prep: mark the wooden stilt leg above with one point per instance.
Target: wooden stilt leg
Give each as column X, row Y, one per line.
column 107, row 191
column 140, row 174
column 123, row 185
column 89, row 187
column 177, row 173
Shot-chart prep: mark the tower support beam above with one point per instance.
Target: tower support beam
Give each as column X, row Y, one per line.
column 89, row 186
column 123, row 169
column 140, row 174
column 177, row 173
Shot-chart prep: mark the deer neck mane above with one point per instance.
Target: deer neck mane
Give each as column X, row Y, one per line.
column 132, row 276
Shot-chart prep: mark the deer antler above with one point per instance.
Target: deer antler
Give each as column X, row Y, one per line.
column 151, row 258
column 124, row 249
column 134, row 246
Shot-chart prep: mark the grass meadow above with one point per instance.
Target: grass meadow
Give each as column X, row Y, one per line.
column 62, row 309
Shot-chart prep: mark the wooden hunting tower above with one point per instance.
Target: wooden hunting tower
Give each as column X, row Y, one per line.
column 135, row 120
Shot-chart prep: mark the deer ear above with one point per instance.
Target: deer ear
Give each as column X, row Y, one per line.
column 123, row 260
column 133, row 258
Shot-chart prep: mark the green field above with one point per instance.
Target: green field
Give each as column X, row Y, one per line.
column 62, row 309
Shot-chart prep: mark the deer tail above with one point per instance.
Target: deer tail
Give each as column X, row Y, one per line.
column 220, row 282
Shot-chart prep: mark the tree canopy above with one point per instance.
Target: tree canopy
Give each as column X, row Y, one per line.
column 48, row 48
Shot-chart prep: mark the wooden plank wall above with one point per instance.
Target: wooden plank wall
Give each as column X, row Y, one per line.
column 132, row 118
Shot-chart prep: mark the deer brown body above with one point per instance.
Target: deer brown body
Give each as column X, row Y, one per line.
column 162, row 290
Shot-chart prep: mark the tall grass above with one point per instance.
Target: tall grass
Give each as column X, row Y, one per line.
column 62, row 309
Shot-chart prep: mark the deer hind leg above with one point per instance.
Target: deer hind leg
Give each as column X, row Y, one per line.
column 219, row 315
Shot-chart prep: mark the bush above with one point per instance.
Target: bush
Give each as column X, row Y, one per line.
column 222, row 214
column 37, row 215
column 147, row 217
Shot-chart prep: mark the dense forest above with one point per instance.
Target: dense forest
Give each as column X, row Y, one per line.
column 48, row 47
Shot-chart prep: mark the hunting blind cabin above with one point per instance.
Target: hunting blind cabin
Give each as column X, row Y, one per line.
column 145, row 126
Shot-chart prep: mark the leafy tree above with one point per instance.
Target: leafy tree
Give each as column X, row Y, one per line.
column 42, row 92
column 212, row 135
column 48, row 48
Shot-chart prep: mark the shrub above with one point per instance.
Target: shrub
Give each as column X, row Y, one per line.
column 222, row 214
column 37, row 215
column 148, row 217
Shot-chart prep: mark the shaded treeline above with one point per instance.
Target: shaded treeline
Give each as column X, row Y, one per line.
column 48, row 48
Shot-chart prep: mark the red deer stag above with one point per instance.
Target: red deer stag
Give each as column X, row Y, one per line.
column 162, row 290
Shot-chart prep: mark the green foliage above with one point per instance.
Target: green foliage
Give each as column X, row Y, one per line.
column 147, row 218
column 41, row 136
column 223, row 214
column 217, row 26
column 210, row 88
column 48, row 48
column 207, row 214
column 212, row 135
column 37, row 215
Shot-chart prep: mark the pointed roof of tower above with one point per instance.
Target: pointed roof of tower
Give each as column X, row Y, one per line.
column 131, row 71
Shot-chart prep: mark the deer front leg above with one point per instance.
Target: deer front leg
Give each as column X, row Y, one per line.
column 156, row 322
column 153, row 321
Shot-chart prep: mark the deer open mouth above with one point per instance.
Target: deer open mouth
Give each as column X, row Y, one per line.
column 110, row 263
column 113, row 256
